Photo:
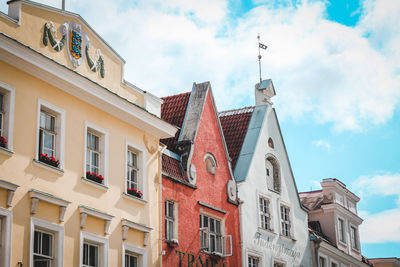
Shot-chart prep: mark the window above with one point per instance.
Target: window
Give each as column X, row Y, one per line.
column 273, row 173
column 47, row 241
column 278, row 264
column 135, row 171
column 352, row 206
column 334, row 264
column 341, row 230
column 93, row 250
column 270, row 143
column 133, row 256
column 354, row 237
column 322, row 262
column 265, row 214
column 211, row 163
column 96, row 148
column 339, row 199
column 6, row 115
column 253, row 261
column 131, row 260
column 169, row 220
column 90, row 255
column 42, row 249
column 50, row 142
column 214, row 236
column 5, row 236
column 285, row 221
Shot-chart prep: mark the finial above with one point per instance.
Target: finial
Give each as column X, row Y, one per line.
column 260, row 45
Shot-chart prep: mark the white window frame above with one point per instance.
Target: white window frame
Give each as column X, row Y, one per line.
column 357, row 238
column 140, row 252
column 344, row 242
column 206, row 231
column 277, row 261
column 103, row 147
column 8, row 121
column 291, row 227
column 5, row 234
column 58, row 242
column 175, row 221
column 59, row 115
column 141, row 165
column 254, row 254
column 102, row 244
column 320, row 255
column 261, row 213
column 335, row 262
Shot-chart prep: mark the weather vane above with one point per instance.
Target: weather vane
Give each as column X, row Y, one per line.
column 262, row 46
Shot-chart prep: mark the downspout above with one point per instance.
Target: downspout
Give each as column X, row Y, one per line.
column 161, row 149
column 241, row 232
column 317, row 244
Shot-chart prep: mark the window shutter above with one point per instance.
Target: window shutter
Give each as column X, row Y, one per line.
column 227, row 245
column 204, row 242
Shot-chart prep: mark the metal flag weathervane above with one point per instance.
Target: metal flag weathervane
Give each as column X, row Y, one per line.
column 262, row 46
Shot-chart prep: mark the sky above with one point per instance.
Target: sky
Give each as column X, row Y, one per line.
column 335, row 66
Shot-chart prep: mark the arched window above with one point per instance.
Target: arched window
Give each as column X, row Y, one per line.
column 211, row 163
column 273, row 174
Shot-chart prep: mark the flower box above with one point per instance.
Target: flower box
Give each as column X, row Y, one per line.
column 3, row 142
column 49, row 160
column 135, row 193
column 94, row 177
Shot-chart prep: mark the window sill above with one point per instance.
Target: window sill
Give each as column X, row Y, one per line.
column 355, row 250
column 97, row 185
column 273, row 190
column 214, row 254
column 136, row 199
column 48, row 167
column 6, row 151
column 268, row 231
column 288, row 238
column 342, row 243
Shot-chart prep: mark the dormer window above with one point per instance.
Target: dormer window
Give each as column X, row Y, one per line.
column 211, row 163
column 273, row 174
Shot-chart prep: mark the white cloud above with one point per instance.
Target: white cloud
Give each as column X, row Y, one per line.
column 347, row 76
column 323, row 144
column 383, row 226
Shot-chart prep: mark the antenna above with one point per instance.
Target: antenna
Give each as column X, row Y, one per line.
column 260, row 45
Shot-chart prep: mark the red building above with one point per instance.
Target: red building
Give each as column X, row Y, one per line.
column 200, row 209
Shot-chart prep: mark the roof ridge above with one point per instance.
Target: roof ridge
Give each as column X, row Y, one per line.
column 176, row 95
column 236, row 111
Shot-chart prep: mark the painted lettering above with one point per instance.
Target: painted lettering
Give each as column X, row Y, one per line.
column 180, row 253
column 199, row 262
column 190, row 258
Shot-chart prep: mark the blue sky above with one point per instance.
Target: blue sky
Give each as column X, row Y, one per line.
column 335, row 66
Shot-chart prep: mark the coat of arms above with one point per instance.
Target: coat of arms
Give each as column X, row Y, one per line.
column 77, row 39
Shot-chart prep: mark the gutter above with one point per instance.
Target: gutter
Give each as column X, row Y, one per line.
column 244, row 262
column 317, row 244
column 161, row 149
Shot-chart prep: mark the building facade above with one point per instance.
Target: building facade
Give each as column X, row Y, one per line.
column 200, row 208
column 273, row 222
column 80, row 165
column 334, row 223
column 385, row 262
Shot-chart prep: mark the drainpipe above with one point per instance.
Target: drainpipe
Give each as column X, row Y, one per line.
column 161, row 149
column 317, row 244
column 241, row 232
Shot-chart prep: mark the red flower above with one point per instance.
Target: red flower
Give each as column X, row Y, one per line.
column 3, row 140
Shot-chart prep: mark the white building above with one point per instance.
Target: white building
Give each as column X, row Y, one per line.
column 334, row 224
column 274, row 229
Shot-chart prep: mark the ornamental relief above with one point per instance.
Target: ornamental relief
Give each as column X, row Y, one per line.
column 78, row 44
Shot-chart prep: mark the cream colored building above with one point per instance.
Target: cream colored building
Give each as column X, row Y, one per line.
column 62, row 93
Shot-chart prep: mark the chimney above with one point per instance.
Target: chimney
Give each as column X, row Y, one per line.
column 264, row 91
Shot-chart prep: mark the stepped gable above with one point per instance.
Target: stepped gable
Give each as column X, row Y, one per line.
column 234, row 125
column 173, row 110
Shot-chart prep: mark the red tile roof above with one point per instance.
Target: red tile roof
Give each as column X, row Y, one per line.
column 173, row 110
column 234, row 125
column 170, row 168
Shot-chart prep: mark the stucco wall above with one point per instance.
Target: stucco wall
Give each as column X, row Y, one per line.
column 255, row 184
column 19, row 169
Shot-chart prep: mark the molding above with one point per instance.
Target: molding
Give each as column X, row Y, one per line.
column 48, row 167
column 335, row 207
column 171, row 154
column 140, row 252
column 6, row 151
column 8, row 215
column 340, row 254
column 211, row 207
column 10, row 187
column 133, row 198
column 99, row 240
column 39, row 65
column 58, row 243
column 97, row 185
column 84, row 211
column 183, row 182
column 141, row 162
column 10, row 103
column 38, row 195
column 127, row 224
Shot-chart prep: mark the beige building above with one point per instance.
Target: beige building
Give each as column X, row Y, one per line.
column 385, row 262
column 334, row 222
column 79, row 148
